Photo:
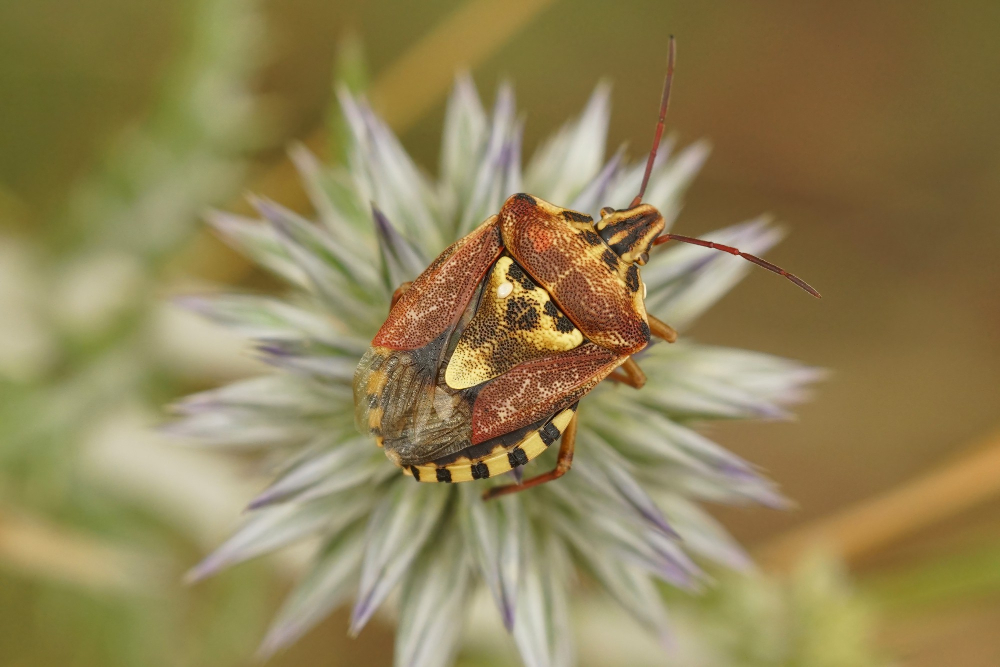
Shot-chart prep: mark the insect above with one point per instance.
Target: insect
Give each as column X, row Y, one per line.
column 483, row 359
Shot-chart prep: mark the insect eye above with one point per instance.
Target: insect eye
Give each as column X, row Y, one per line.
column 643, row 258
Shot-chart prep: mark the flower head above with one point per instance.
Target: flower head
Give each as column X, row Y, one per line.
column 627, row 515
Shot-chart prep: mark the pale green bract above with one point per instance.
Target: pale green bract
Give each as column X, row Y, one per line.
column 627, row 514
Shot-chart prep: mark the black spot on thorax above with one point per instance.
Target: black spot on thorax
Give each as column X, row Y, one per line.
column 632, row 278
column 573, row 216
column 526, row 198
column 591, row 238
column 610, row 259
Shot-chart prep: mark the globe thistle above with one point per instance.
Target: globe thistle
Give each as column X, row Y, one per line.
column 628, row 514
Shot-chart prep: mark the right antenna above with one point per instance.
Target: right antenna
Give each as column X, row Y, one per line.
column 664, row 103
column 663, row 238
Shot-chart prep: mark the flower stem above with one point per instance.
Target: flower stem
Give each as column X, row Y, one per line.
column 864, row 528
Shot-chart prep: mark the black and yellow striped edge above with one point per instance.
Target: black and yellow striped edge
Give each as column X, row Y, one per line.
column 496, row 463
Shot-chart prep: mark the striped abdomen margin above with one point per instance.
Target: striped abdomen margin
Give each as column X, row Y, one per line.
column 505, row 460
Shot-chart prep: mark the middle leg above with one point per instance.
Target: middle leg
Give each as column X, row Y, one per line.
column 661, row 329
column 629, row 373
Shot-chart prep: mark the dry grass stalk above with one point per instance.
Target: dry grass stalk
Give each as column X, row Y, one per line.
column 870, row 525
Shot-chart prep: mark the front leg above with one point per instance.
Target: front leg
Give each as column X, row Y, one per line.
column 563, row 463
column 661, row 330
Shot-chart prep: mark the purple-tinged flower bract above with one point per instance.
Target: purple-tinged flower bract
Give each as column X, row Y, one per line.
column 628, row 514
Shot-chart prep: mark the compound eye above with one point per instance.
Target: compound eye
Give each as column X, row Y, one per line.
column 643, row 258
column 606, row 211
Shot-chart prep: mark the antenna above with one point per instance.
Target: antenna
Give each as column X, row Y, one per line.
column 663, row 238
column 664, row 103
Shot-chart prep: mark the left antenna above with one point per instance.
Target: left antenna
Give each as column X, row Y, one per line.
column 664, row 103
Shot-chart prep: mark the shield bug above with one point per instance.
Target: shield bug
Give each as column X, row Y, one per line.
column 483, row 359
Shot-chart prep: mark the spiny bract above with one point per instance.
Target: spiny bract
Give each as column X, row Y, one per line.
column 627, row 514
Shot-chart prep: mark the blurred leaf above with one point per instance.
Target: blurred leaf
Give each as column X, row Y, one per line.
column 809, row 618
column 148, row 195
column 121, row 223
column 970, row 574
column 433, row 605
column 329, row 582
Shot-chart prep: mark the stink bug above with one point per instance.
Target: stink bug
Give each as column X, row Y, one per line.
column 485, row 356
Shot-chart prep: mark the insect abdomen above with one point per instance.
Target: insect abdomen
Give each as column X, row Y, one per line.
column 500, row 460
column 397, row 399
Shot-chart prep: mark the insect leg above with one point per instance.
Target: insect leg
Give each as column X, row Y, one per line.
column 661, row 329
column 566, row 448
column 629, row 373
column 400, row 291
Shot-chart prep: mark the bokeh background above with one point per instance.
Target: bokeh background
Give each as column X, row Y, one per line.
column 868, row 128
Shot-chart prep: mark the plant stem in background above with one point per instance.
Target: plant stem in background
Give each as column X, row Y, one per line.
column 872, row 524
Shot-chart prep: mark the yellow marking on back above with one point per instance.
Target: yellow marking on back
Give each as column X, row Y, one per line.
column 375, row 418
column 497, row 462
column 517, row 321
column 568, row 258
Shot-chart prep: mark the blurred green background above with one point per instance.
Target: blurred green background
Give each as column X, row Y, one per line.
column 868, row 128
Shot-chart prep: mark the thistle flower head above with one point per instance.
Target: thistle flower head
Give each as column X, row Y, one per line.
column 628, row 513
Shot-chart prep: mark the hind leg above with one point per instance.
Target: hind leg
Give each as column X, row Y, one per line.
column 563, row 463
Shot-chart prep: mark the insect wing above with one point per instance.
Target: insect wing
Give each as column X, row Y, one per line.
column 536, row 389
column 439, row 296
column 396, row 394
column 398, row 400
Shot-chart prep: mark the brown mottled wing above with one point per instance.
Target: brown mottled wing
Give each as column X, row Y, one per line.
column 439, row 296
column 398, row 400
column 537, row 389
column 563, row 253
column 516, row 322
